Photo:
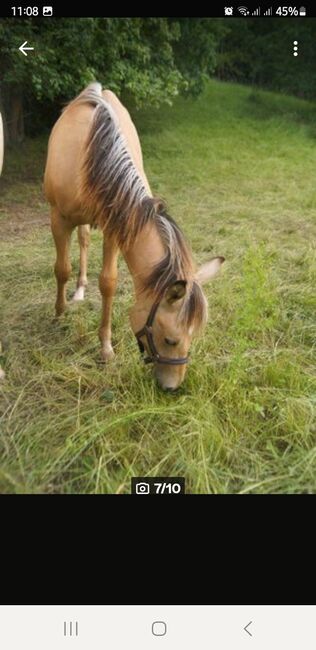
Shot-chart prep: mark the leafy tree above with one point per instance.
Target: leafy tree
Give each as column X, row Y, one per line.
column 148, row 59
column 260, row 52
column 196, row 49
column 145, row 60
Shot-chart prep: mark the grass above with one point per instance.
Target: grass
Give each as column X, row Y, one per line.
column 237, row 168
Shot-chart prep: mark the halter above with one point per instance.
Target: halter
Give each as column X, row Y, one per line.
column 147, row 331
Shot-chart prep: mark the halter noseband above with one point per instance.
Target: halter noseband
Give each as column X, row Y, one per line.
column 147, row 331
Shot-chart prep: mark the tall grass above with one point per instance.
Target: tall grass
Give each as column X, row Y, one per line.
column 237, row 169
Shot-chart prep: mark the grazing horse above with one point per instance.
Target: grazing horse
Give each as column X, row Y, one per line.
column 95, row 177
column 2, row 373
column 1, row 144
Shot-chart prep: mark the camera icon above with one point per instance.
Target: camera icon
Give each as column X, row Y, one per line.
column 142, row 488
column 228, row 11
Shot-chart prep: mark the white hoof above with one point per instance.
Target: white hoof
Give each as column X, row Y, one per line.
column 79, row 294
column 107, row 353
column 2, row 374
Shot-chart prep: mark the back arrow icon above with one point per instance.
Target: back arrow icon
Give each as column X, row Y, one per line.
column 22, row 48
column 246, row 630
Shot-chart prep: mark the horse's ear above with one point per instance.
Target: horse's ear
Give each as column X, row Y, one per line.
column 209, row 269
column 176, row 291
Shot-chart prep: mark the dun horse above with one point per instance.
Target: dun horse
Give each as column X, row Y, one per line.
column 95, row 177
column 2, row 373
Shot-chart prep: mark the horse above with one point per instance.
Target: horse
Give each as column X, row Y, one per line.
column 2, row 373
column 94, row 177
column 1, row 143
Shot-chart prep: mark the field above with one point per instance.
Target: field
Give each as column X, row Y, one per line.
column 237, row 168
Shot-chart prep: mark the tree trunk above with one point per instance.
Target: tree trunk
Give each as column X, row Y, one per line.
column 16, row 118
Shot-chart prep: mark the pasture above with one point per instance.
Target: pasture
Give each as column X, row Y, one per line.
column 237, row 168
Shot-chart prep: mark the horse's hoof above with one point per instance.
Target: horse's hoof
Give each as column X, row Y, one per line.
column 59, row 310
column 107, row 355
column 78, row 295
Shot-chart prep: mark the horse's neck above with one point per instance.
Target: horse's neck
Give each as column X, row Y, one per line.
column 145, row 253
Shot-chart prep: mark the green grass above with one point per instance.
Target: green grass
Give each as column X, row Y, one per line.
column 238, row 170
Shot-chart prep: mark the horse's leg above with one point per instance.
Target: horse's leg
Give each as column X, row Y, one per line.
column 107, row 284
column 62, row 234
column 84, row 241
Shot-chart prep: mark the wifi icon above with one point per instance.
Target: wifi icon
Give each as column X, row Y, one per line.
column 243, row 11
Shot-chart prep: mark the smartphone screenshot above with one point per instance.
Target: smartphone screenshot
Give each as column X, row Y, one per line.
column 157, row 272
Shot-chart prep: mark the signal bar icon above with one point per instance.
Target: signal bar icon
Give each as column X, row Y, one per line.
column 256, row 12
column 268, row 12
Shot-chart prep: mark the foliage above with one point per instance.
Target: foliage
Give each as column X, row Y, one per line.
column 260, row 52
column 135, row 56
column 148, row 61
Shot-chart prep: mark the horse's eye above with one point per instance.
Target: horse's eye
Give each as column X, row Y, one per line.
column 171, row 342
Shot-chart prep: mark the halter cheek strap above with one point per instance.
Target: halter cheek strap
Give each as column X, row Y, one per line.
column 154, row 356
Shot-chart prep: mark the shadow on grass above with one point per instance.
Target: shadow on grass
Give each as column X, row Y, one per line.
column 265, row 106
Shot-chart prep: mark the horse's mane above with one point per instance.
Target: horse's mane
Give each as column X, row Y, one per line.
column 115, row 193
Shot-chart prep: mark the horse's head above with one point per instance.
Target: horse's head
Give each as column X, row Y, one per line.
column 164, row 328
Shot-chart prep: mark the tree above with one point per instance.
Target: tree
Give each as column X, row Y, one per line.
column 260, row 52
column 150, row 60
